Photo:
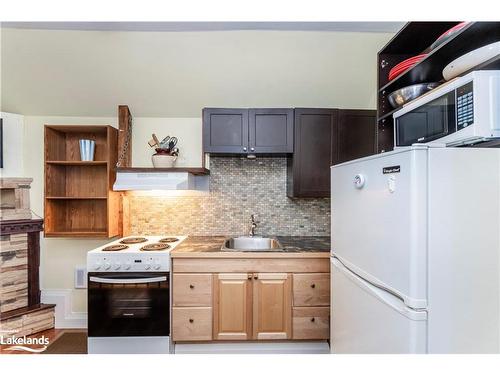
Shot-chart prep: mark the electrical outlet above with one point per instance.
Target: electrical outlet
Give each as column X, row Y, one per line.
column 80, row 277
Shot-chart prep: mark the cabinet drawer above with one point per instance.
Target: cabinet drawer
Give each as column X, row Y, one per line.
column 191, row 323
column 311, row 289
column 192, row 290
column 311, row 323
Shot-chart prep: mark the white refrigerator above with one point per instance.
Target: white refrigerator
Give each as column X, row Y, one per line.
column 416, row 252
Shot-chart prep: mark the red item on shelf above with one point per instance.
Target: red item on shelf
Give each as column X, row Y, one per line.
column 452, row 30
column 405, row 65
column 450, row 33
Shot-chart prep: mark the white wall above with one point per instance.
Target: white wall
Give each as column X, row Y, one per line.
column 13, row 134
column 169, row 74
column 187, row 130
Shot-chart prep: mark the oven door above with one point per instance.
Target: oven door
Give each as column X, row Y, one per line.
column 427, row 122
column 128, row 304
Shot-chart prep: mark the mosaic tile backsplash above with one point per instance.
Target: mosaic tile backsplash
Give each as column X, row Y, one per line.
column 239, row 187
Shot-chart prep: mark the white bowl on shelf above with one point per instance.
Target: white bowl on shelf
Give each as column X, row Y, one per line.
column 470, row 60
column 163, row 160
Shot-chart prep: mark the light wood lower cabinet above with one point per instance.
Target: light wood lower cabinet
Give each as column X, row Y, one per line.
column 241, row 306
column 272, row 306
column 261, row 301
column 191, row 289
column 311, row 323
column 192, row 323
column 311, row 289
column 233, row 306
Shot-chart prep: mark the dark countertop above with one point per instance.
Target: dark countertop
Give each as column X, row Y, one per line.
column 200, row 244
column 305, row 243
column 291, row 244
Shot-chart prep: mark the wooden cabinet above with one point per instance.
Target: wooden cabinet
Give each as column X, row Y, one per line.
column 324, row 137
column 225, row 131
column 241, row 305
column 313, row 138
column 270, row 130
column 261, row 301
column 233, row 306
column 192, row 323
column 247, row 131
column 311, row 289
column 192, row 306
column 311, row 323
column 272, row 306
column 308, row 173
column 192, row 290
column 79, row 200
column 356, row 134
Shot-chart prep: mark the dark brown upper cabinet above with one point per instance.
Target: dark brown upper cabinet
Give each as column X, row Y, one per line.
column 356, row 134
column 270, row 130
column 308, row 172
column 225, row 130
column 324, row 137
column 248, row 131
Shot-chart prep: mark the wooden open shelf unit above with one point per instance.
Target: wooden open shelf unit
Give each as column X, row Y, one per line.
column 413, row 39
column 79, row 201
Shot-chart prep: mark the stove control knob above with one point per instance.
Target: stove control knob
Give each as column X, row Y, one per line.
column 97, row 266
column 147, row 266
column 157, row 266
column 107, row 266
column 117, row 266
column 127, row 265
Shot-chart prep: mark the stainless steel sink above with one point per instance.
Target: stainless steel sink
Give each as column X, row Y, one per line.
column 251, row 244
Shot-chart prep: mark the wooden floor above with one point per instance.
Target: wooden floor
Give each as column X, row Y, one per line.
column 51, row 334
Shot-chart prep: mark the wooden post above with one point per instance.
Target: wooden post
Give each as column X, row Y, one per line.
column 124, row 136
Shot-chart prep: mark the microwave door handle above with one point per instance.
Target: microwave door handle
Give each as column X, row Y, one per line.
column 104, row 280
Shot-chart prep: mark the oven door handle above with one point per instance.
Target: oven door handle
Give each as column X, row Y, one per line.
column 128, row 281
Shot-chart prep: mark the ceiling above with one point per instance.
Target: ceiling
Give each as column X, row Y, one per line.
column 383, row 27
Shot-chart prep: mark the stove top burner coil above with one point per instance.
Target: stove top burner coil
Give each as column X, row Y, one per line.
column 155, row 247
column 133, row 240
column 169, row 239
column 115, row 248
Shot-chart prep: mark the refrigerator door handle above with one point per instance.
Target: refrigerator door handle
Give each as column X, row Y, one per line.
column 387, row 298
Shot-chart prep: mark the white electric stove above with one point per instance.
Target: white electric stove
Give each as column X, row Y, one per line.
column 129, row 295
column 134, row 253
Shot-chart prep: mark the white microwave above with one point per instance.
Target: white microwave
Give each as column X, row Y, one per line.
column 463, row 111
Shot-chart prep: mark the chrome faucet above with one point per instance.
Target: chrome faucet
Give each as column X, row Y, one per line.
column 253, row 225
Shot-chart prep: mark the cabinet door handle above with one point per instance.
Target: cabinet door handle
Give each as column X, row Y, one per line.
column 313, row 286
column 191, row 286
column 191, row 320
column 313, row 319
column 249, row 277
column 255, row 277
column 252, row 149
column 244, row 148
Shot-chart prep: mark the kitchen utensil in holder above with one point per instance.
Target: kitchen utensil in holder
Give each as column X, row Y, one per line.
column 87, row 149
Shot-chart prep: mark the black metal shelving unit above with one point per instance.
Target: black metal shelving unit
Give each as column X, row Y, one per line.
column 413, row 39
